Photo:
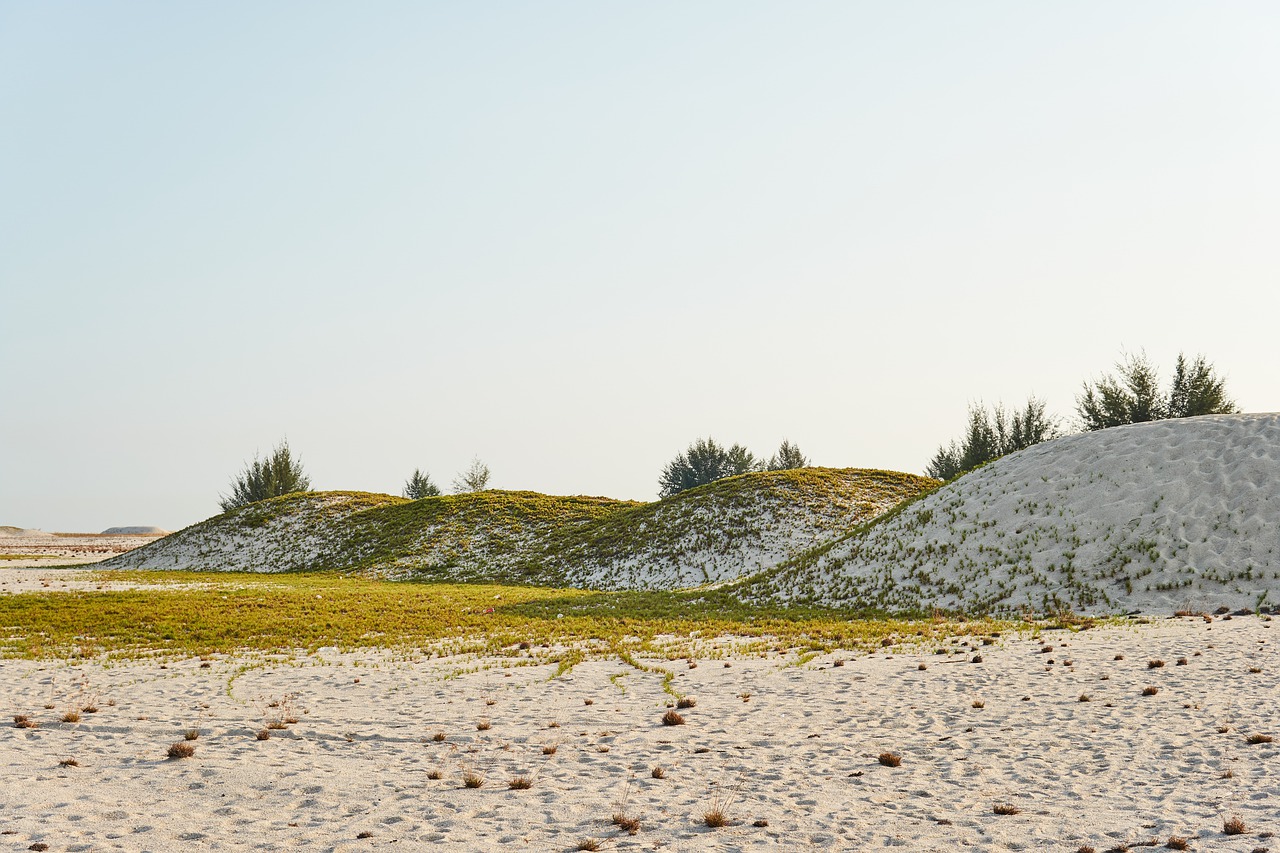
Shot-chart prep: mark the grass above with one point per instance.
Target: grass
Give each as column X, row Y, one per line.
column 284, row 613
column 1234, row 826
column 890, row 759
column 1006, row 809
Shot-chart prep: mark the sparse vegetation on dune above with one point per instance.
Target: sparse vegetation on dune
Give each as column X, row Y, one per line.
column 712, row 533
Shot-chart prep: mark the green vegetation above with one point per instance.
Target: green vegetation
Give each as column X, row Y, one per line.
column 1132, row 395
column 704, row 462
column 278, row 474
column 419, row 486
column 991, row 436
column 201, row 614
column 712, row 533
column 474, row 479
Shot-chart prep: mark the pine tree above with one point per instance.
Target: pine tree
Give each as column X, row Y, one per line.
column 420, row 486
column 788, row 456
column 278, row 474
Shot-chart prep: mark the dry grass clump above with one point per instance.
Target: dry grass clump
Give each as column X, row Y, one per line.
column 276, row 725
column 1254, row 670
column 472, row 779
column 483, row 726
column 71, row 717
column 434, row 773
column 1150, row 691
column 658, row 772
column 838, row 662
column 588, row 701
column 890, row 759
column 1155, row 663
column 181, row 749
column 1255, row 739
column 438, row 737
column 520, row 783
column 588, row 844
column 68, row 762
column 191, row 734
column 1233, row 826
column 22, row 721
column 1118, row 657
column 672, row 718
column 1084, row 697
column 1005, row 808
column 263, row 734
column 978, row 703
column 1182, row 662
column 550, row 749
column 686, row 702
column 1177, row 842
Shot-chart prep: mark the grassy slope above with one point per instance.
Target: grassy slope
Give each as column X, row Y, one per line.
column 713, row 533
column 725, row 529
column 474, row 536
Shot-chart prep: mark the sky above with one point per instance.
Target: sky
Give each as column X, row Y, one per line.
column 570, row 238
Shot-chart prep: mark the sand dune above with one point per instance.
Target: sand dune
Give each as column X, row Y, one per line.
column 1176, row 514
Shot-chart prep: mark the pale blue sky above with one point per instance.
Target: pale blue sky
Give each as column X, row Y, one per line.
column 572, row 237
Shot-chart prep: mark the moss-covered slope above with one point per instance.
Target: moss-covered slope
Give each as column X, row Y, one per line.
column 721, row 531
column 726, row 529
column 473, row 536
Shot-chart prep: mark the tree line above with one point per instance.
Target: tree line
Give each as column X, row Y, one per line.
column 1132, row 394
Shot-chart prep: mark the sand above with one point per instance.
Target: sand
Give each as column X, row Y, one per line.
column 782, row 739
column 25, row 548
column 1153, row 517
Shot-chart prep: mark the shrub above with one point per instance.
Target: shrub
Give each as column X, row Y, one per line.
column 992, row 435
column 419, row 486
column 704, row 462
column 278, row 474
column 671, row 718
column 181, row 749
column 1133, row 395
column 474, row 479
column 890, row 759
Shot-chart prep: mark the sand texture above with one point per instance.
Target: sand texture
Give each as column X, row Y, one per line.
column 781, row 739
column 1175, row 514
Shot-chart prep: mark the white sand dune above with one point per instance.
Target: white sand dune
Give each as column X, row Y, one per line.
column 800, row 752
column 1176, row 514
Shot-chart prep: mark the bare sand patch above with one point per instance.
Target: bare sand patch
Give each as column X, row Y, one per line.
column 789, row 748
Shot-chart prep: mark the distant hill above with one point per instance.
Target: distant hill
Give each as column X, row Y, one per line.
column 134, row 531
column 1174, row 514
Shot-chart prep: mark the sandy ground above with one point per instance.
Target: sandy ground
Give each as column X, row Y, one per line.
column 65, row 549
column 789, row 741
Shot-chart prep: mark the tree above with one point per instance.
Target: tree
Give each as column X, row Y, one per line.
column 1132, row 395
column 788, row 456
column 474, row 479
column 279, row 474
column 991, row 435
column 1198, row 390
column 704, row 462
column 420, row 486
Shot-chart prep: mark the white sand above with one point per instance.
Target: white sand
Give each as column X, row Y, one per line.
column 800, row 753
column 38, row 548
column 1176, row 514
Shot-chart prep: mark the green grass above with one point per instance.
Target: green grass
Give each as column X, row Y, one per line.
column 231, row 612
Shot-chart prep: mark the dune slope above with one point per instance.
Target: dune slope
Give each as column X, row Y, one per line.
column 1177, row 514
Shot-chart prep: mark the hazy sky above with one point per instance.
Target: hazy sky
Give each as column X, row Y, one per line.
column 570, row 238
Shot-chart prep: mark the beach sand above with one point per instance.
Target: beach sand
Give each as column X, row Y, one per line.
column 783, row 739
